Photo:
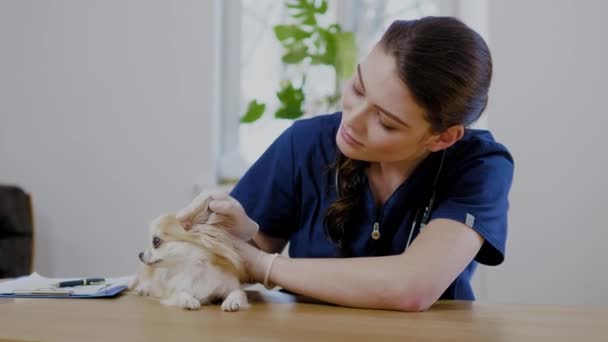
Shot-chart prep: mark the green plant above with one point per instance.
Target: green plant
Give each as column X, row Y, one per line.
column 307, row 44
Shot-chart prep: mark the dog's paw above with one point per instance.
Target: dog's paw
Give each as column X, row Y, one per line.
column 133, row 283
column 139, row 288
column 142, row 291
column 182, row 300
column 236, row 300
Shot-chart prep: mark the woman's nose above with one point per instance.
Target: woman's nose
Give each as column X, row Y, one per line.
column 357, row 116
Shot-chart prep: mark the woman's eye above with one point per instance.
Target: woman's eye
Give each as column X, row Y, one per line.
column 386, row 127
column 156, row 242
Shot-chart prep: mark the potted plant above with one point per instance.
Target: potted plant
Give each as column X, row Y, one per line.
column 308, row 44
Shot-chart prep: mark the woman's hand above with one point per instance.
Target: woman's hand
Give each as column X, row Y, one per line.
column 221, row 210
column 257, row 262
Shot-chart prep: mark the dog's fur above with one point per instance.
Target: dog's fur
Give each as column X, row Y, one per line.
column 192, row 265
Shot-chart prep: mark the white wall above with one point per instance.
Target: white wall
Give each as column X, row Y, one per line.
column 548, row 105
column 105, row 118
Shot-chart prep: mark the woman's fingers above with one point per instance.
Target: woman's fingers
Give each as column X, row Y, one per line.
column 191, row 210
column 198, row 205
column 222, row 206
column 217, row 195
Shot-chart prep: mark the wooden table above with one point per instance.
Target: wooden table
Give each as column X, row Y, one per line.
column 276, row 316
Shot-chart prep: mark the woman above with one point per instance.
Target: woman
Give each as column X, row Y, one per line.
column 393, row 202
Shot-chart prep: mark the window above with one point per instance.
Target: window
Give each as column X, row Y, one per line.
column 247, row 40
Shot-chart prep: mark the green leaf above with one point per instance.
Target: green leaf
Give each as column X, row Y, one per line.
column 346, row 58
column 288, row 113
column 254, row 112
column 293, row 57
column 331, row 47
column 327, row 48
column 296, row 4
column 333, row 28
column 307, row 41
column 322, row 8
column 291, row 102
column 310, row 21
column 295, row 53
column 336, row 48
column 285, row 32
column 306, row 10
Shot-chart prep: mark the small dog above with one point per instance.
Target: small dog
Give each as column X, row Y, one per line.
column 189, row 266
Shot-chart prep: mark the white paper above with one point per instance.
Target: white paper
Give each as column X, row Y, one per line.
column 36, row 282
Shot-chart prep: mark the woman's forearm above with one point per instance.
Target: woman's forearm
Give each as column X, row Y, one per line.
column 411, row 281
column 372, row 282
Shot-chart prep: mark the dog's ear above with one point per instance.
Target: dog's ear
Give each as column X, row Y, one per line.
column 187, row 225
column 172, row 227
column 197, row 212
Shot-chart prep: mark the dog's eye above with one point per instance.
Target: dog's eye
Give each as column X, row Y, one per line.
column 156, row 242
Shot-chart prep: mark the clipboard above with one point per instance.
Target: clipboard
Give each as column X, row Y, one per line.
column 37, row 286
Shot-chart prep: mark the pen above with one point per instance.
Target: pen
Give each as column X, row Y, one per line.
column 78, row 282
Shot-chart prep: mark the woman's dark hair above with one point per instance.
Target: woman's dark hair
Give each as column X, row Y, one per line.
column 448, row 68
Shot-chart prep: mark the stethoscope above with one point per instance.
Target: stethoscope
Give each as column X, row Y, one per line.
column 426, row 211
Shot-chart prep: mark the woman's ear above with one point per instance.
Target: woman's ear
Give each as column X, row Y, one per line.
column 446, row 138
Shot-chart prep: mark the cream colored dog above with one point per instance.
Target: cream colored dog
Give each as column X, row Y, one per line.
column 189, row 266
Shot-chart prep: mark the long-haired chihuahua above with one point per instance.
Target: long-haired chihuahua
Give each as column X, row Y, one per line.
column 189, row 266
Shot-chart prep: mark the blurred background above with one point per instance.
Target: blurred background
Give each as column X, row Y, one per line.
column 113, row 112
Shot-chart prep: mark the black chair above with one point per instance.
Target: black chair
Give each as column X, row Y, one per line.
column 16, row 232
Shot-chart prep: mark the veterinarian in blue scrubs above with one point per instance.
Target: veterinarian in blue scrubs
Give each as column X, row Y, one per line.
column 392, row 202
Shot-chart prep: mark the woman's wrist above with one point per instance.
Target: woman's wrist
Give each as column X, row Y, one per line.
column 266, row 280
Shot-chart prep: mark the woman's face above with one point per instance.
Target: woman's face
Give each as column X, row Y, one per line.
column 381, row 122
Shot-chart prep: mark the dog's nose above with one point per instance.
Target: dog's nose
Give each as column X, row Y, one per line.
column 141, row 256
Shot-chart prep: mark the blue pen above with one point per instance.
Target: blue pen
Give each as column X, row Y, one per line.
column 80, row 282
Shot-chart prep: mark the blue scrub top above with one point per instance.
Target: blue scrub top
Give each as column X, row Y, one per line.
column 289, row 188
